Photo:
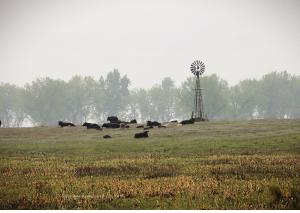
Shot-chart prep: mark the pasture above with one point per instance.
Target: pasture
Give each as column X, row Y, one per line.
column 211, row 165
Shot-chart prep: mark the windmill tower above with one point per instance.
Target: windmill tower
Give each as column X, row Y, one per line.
column 198, row 68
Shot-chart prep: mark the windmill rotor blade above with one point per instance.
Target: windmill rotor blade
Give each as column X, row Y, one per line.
column 197, row 67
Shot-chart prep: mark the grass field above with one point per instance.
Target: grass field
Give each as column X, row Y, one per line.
column 211, row 165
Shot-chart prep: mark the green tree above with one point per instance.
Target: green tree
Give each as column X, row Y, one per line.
column 243, row 99
column 157, row 103
column 79, row 98
column 46, row 101
column 169, row 94
column 185, row 99
column 294, row 86
column 12, row 100
column 116, row 93
column 133, row 112
column 274, row 95
column 98, row 97
column 143, row 104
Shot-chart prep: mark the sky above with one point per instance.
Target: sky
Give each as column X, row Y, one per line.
column 147, row 40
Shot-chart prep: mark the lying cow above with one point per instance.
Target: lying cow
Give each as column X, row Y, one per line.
column 148, row 127
column 106, row 136
column 62, row 124
column 111, row 125
column 190, row 121
column 92, row 126
column 140, row 126
column 124, row 125
column 142, row 134
column 153, row 123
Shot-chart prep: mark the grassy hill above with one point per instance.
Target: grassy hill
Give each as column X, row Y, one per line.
column 211, row 165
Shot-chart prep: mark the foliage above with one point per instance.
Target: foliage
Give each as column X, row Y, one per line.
column 12, row 101
column 45, row 100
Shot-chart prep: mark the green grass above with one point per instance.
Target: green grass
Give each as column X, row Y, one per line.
column 211, row 165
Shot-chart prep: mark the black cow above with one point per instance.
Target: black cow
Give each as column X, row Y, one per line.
column 148, row 127
column 106, row 136
column 153, row 123
column 92, row 126
column 62, row 124
column 133, row 121
column 0, row 123
column 140, row 126
column 124, row 125
column 113, row 119
column 111, row 125
column 162, row 126
column 190, row 121
column 142, row 134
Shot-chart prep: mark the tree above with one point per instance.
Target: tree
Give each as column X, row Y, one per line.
column 116, row 93
column 99, row 99
column 133, row 105
column 243, row 99
column 275, row 97
column 294, row 87
column 143, row 104
column 46, row 101
column 157, row 110
column 169, row 94
column 12, row 102
column 79, row 98
column 185, row 99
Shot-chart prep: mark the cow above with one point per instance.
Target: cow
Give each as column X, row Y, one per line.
column 190, row 121
column 106, row 136
column 113, row 119
column 111, row 125
column 0, row 123
column 123, row 125
column 62, row 124
column 140, row 126
column 92, row 126
column 153, row 123
column 148, row 127
column 133, row 121
column 162, row 126
column 141, row 135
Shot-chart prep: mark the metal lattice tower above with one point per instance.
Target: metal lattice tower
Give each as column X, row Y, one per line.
column 198, row 68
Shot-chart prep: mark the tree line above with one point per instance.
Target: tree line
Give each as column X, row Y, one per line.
column 45, row 101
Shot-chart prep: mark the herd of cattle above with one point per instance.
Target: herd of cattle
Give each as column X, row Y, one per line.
column 114, row 123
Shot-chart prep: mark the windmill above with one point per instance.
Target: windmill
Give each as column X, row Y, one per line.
column 198, row 68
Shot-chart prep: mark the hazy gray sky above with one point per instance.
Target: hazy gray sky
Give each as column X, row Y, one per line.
column 147, row 40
